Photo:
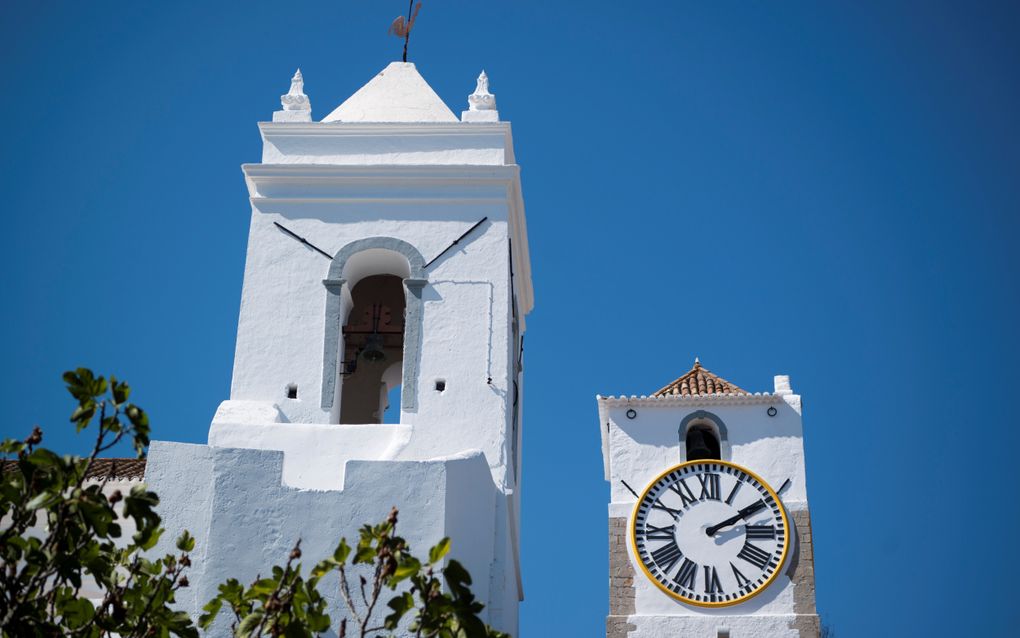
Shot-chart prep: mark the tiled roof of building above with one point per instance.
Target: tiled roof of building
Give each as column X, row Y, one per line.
column 114, row 468
column 699, row 381
column 124, row 468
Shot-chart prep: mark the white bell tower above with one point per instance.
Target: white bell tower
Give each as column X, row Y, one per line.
column 709, row 529
column 379, row 344
column 354, row 284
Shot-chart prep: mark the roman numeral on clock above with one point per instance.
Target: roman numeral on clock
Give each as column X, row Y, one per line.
column 669, row 510
column 741, row 579
column 733, row 492
column 761, row 531
column 709, row 486
column 712, row 585
column 687, row 575
column 754, row 555
column 686, row 495
column 653, row 533
column 667, row 556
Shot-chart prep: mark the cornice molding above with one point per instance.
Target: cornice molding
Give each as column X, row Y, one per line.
column 671, row 401
column 382, row 173
column 400, row 130
column 384, row 128
column 446, row 201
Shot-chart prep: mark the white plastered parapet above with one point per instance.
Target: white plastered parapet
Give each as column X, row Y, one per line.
column 245, row 519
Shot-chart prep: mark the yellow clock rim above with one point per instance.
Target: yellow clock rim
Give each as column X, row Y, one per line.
column 684, row 599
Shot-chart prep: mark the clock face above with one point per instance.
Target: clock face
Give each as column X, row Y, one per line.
column 710, row 533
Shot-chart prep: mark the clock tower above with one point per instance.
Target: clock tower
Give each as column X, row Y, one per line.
column 709, row 530
column 379, row 345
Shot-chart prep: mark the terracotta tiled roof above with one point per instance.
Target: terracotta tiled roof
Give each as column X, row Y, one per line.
column 114, row 468
column 125, row 468
column 699, row 381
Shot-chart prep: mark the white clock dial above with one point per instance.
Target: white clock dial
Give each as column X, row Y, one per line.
column 710, row 533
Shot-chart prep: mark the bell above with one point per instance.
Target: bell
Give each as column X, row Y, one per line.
column 373, row 350
column 699, row 447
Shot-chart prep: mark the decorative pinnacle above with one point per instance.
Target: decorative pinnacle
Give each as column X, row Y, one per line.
column 481, row 99
column 697, row 362
column 296, row 100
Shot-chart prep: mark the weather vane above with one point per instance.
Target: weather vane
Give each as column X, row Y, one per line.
column 403, row 30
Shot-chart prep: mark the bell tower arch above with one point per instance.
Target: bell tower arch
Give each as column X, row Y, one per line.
column 366, row 263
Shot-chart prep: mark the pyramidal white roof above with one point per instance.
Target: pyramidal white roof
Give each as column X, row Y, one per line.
column 398, row 94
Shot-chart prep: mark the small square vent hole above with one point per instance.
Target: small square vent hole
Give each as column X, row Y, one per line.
column 440, row 385
column 291, row 390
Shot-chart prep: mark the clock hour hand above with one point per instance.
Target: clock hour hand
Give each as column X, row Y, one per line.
column 743, row 513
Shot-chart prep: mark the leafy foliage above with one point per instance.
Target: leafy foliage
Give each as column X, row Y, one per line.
column 59, row 533
column 61, row 536
column 289, row 605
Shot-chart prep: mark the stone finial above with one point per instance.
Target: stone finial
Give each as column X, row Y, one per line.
column 296, row 105
column 481, row 99
column 296, row 100
column 481, row 103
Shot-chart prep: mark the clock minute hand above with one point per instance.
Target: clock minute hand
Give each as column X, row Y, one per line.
column 743, row 513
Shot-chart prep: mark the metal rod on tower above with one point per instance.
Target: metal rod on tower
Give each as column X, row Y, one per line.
column 402, row 29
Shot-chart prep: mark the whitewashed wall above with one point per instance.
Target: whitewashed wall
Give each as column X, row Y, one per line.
column 245, row 520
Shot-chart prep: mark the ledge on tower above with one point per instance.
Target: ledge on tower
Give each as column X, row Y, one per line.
column 398, row 94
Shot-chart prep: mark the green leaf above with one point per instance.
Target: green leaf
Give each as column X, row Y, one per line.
column 318, row 622
column 365, row 554
column 323, row 567
column 121, row 391
column 295, row 630
column 83, row 414
column 185, row 542
column 44, row 500
column 250, row 622
column 407, row 567
column 400, row 605
column 457, row 578
column 441, row 549
column 147, row 538
column 11, row 446
column 43, row 458
column 77, row 612
column 342, row 551
column 211, row 608
column 264, row 586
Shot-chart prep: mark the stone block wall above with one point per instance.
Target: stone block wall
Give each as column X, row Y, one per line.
column 802, row 574
column 621, row 581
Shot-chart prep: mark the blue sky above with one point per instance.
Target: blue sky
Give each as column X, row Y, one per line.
column 777, row 187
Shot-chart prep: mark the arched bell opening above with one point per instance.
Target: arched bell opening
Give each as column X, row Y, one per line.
column 702, row 444
column 373, row 348
column 359, row 335
column 703, row 436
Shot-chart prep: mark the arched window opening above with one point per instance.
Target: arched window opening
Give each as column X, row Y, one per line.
column 373, row 349
column 702, row 443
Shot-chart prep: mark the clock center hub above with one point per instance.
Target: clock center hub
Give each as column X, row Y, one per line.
column 694, row 541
